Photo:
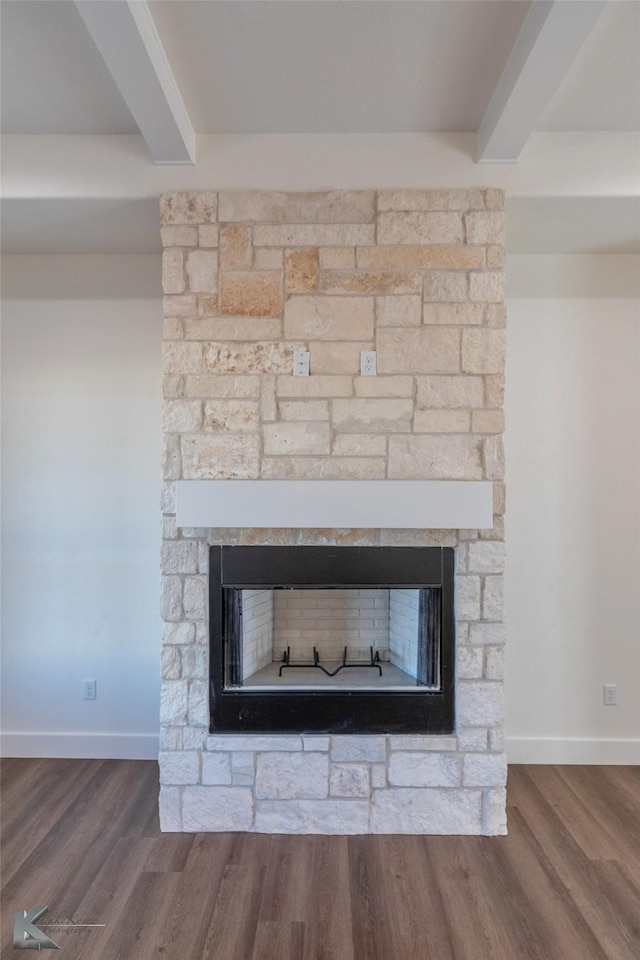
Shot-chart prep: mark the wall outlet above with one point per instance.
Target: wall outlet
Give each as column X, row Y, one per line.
column 89, row 689
column 368, row 365
column 610, row 694
column 301, row 363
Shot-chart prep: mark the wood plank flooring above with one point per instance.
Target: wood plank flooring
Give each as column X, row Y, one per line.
column 82, row 837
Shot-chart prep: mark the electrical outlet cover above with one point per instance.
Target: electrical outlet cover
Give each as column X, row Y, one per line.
column 368, row 363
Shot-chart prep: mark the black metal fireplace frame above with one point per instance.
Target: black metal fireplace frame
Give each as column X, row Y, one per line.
column 331, row 711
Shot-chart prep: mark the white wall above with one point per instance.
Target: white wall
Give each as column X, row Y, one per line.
column 81, row 435
column 81, row 526
column 573, row 509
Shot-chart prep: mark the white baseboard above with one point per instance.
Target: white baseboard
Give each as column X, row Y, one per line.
column 621, row 752
column 81, row 746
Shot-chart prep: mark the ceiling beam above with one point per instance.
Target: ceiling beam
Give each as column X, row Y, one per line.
column 548, row 42
column 127, row 38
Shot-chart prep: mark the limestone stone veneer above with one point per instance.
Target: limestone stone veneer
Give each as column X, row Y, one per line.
column 248, row 278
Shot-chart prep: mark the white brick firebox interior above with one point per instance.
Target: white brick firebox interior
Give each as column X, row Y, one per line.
column 250, row 277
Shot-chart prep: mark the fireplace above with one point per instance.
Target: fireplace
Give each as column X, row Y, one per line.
column 372, row 632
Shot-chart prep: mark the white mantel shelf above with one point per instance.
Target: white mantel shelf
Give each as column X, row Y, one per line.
column 341, row 504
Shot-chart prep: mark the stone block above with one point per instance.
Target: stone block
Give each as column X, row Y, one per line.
column 170, row 738
column 304, row 410
column 312, row 742
column 195, row 598
column 181, row 235
column 443, row 287
column 171, row 460
column 333, row 537
column 195, row 662
column 202, row 271
column 359, row 445
column 493, row 598
column 496, row 257
column 431, row 457
column 480, row 703
column 178, row 633
column 178, row 357
column 497, row 739
column 370, row 749
column 170, row 810
column 349, row 780
column 171, row 599
column 173, row 280
column 422, row 743
column 485, row 770
column 208, row 235
column 256, row 293
column 314, row 386
column 418, row 350
column 312, row 816
column 233, row 416
column 454, row 314
column 172, row 386
column 473, row 739
column 268, row 404
column 324, row 207
column 188, row 206
column 243, row 769
column 329, row 318
column 281, row 439
column 217, row 809
column 179, row 556
column 398, row 311
column 430, row 200
column 494, row 199
column 179, row 767
column 470, row 663
column 487, row 287
column 233, row 328
column 173, row 702
column 424, row 770
column 259, row 357
column 292, row 776
column 220, row 457
column 487, row 228
column 420, row 258
column 337, row 356
column 236, row 251
column 172, row 329
column 494, row 391
column 495, row 812
column 170, row 663
column 494, row 666
column 216, row 769
column 313, row 234
column 488, row 633
column 416, row 811
column 222, row 386
column 181, row 416
column 441, row 421
column 483, row 350
column 345, row 281
column 449, row 392
column 468, row 598
column 378, row 776
column 420, row 228
column 372, row 415
column 301, row 270
column 487, row 421
column 493, row 458
column 168, row 497
column 198, row 704
column 267, row 258
column 386, row 386
column 324, row 468
column 179, row 307
column 235, row 742
column 486, row 557
column 337, row 258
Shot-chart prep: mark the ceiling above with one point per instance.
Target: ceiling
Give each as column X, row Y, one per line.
column 247, row 67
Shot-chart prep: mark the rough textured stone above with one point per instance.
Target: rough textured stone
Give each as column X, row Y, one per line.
column 179, row 236
column 420, row 258
column 182, row 416
column 195, row 598
column 304, row 410
column 470, row 663
column 434, row 458
column 233, row 328
column 493, row 457
column 171, row 599
column 495, row 812
column 198, row 704
column 480, row 703
column 254, row 742
column 222, row 386
column 301, row 270
column 338, row 206
column 398, row 311
column 202, row 271
column 422, row 743
column 187, row 206
column 256, row 293
column 472, row 739
column 349, row 780
column 372, row 415
column 170, row 663
column 424, row 770
column 170, row 810
column 344, row 281
column 173, row 280
column 420, row 228
column 217, row 809
column 493, row 598
column 468, row 598
column 372, row 749
column 485, row 770
column 181, row 633
column 494, row 391
column 208, row 235
column 487, row 633
column 312, row 816
column 292, row 776
column 431, row 200
column 296, row 438
column 462, row 314
column 173, row 702
column 313, row 235
column 313, row 742
column 494, row 666
column 179, row 556
column 181, row 358
column 324, row 468
column 418, row 350
column 485, row 227
column 337, row 258
column 179, row 307
column 446, row 287
column 220, row 457
column 387, row 386
column 236, row 251
column 259, row 357
column 329, row 318
column 436, row 811
column 179, row 767
column 486, row 557
column 487, row 287
column 171, row 459
column 216, row 768
column 487, row 421
column 235, row 416
column 243, row 773
column 441, row 421
column 483, row 350
column 314, row 386
column 337, row 356
column 268, row 404
column 359, row 445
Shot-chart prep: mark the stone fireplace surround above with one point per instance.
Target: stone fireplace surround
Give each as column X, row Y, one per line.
column 248, row 278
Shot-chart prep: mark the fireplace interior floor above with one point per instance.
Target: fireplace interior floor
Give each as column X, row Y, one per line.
column 357, row 677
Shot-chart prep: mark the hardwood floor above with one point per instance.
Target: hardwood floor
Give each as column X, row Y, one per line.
column 82, row 837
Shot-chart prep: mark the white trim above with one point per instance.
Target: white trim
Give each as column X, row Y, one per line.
column 617, row 752
column 81, row 746
column 340, row 504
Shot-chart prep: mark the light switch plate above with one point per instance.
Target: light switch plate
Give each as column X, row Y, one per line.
column 301, row 363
